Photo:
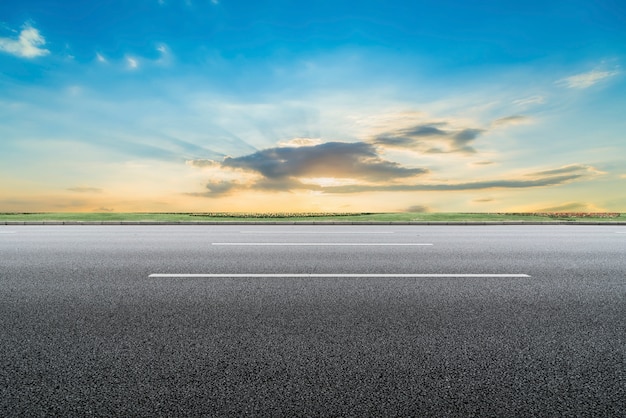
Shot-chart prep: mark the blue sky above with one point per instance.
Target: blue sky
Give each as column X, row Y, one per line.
column 205, row 105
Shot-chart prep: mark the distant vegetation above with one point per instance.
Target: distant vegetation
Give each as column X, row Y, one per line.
column 277, row 215
column 309, row 217
column 569, row 214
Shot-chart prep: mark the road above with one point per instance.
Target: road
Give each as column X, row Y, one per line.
column 330, row 321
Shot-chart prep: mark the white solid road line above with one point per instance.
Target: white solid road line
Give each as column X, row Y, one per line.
column 316, row 232
column 354, row 244
column 321, row 275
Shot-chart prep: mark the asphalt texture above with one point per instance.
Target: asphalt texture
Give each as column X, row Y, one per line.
column 84, row 330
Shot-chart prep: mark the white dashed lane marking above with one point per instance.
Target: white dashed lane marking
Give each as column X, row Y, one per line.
column 298, row 244
column 337, row 275
column 317, row 232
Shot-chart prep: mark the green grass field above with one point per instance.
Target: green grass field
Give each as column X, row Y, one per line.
column 311, row 217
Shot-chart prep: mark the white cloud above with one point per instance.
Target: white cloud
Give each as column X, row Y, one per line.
column 585, row 80
column 100, row 58
column 27, row 45
column 132, row 63
column 529, row 101
column 166, row 57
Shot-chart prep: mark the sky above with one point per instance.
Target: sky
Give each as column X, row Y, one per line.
column 312, row 106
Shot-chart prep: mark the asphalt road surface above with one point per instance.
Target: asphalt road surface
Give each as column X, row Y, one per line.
column 325, row 321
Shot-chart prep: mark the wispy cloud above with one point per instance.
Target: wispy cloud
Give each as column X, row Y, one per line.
column 431, row 138
column 511, row 120
column 530, row 101
column 513, row 183
column 568, row 169
column 585, row 80
column 477, row 185
column 165, row 55
column 132, row 63
column 27, row 45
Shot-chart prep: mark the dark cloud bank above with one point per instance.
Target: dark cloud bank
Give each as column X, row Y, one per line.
column 331, row 159
column 281, row 167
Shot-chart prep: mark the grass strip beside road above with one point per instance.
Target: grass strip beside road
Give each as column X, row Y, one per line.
column 311, row 217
